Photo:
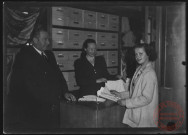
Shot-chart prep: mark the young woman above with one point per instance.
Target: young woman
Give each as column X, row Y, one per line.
column 142, row 100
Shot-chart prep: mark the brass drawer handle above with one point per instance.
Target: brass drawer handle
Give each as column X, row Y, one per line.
column 75, row 55
column 89, row 35
column 102, row 16
column 76, row 34
column 59, row 19
column 102, row 25
column 90, row 15
column 60, row 43
column 75, row 12
column 114, row 19
column 59, row 32
column 102, row 44
column 113, row 62
column 60, row 55
column 76, row 22
column 60, row 65
column 59, row 9
column 76, row 44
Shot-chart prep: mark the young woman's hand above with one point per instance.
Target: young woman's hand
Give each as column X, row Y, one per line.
column 101, row 80
column 119, row 76
column 122, row 102
column 114, row 92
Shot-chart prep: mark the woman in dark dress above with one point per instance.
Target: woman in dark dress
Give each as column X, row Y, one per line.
column 91, row 70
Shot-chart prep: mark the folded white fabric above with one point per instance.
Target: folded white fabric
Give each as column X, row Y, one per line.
column 91, row 98
column 118, row 85
column 105, row 93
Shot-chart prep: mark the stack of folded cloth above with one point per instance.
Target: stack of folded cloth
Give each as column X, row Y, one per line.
column 92, row 98
column 117, row 85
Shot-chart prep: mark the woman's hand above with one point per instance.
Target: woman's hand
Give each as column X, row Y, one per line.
column 119, row 76
column 122, row 102
column 114, row 92
column 122, row 95
column 70, row 97
column 101, row 80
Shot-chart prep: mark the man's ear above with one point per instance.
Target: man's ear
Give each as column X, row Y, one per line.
column 35, row 40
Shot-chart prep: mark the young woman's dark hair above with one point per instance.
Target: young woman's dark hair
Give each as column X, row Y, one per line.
column 149, row 49
column 85, row 45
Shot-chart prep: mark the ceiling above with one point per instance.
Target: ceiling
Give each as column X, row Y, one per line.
column 116, row 7
column 123, row 8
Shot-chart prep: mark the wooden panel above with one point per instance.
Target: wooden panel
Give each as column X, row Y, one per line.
column 113, row 19
column 91, row 115
column 113, row 37
column 102, row 36
column 112, row 45
column 59, row 34
column 112, row 54
column 65, row 65
column 61, row 55
column 102, row 44
column 113, row 22
column 90, row 35
column 112, row 62
column 76, row 17
column 102, row 21
column 75, row 44
column 89, row 19
column 73, row 55
column 59, row 43
column 60, row 16
column 76, row 116
column 111, row 117
column 75, row 35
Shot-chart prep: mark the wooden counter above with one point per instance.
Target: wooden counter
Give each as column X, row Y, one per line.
column 91, row 115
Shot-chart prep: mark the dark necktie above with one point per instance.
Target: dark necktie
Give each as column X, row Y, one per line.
column 44, row 57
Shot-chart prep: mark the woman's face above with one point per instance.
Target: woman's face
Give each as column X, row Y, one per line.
column 141, row 56
column 91, row 49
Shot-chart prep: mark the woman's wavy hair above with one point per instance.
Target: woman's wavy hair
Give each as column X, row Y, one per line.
column 149, row 49
column 85, row 45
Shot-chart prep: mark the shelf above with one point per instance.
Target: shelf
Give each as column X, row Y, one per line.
column 73, row 70
column 63, row 49
column 83, row 29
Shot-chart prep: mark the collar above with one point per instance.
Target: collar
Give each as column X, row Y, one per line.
column 40, row 52
column 147, row 65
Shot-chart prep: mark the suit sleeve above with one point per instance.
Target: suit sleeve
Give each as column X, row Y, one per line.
column 63, row 81
column 148, row 87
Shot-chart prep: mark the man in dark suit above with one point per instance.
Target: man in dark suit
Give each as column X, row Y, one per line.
column 37, row 85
